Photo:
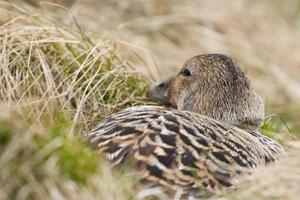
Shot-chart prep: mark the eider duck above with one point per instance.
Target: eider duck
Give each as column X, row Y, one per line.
column 207, row 136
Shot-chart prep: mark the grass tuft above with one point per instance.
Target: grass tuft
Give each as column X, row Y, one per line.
column 35, row 165
column 55, row 84
column 276, row 128
column 44, row 66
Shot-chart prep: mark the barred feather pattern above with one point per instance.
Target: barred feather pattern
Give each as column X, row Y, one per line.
column 182, row 149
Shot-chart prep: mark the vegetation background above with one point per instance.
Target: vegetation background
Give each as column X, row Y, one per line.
column 66, row 64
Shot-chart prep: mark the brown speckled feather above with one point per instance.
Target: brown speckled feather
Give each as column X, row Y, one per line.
column 182, row 149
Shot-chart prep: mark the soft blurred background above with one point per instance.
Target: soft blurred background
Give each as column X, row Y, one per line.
column 49, row 59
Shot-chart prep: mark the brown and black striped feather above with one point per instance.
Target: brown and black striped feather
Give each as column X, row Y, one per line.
column 181, row 148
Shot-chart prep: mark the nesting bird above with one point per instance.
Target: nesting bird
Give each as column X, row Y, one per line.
column 207, row 136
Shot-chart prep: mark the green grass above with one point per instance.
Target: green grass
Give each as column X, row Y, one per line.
column 276, row 128
column 75, row 160
column 34, row 151
column 35, row 164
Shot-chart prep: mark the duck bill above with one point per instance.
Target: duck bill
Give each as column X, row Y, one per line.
column 160, row 91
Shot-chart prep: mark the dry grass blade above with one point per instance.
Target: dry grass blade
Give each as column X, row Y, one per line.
column 48, row 66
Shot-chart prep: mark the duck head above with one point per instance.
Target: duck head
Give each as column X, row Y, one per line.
column 215, row 86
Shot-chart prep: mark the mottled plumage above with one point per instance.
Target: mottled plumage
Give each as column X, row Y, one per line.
column 181, row 148
column 199, row 144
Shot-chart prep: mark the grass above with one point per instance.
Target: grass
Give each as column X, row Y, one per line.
column 50, row 165
column 46, row 66
column 55, row 84
column 65, row 66
column 276, row 128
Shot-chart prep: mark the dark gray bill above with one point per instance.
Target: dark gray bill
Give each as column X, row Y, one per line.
column 159, row 92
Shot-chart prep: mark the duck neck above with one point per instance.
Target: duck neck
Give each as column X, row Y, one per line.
column 243, row 109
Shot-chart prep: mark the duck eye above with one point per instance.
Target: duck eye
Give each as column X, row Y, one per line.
column 186, row 72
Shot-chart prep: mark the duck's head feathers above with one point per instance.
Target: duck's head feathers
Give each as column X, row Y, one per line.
column 215, row 86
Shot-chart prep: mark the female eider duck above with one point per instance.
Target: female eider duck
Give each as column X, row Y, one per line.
column 207, row 138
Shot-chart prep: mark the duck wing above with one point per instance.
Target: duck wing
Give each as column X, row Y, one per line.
column 182, row 149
